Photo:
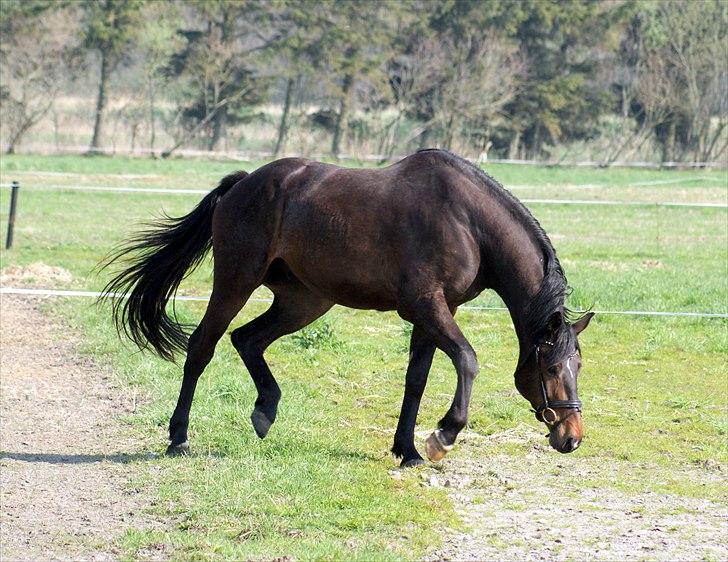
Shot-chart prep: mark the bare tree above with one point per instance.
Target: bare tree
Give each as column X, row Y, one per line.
column 37, row 54
column 648, row 86
column 109, row 28
column 157, row 41
column 695, row 52
column 675, row 75
column 480, row 78
column 216, row 68
column 449, row 84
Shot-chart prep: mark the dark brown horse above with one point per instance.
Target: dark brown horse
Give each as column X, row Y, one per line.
column 421, row 237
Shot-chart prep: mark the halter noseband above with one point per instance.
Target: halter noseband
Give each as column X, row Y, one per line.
column 545, row 412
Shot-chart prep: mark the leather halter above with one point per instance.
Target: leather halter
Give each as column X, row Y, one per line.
column 545, row 412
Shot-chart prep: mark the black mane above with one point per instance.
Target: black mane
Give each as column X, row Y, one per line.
column 554, row 287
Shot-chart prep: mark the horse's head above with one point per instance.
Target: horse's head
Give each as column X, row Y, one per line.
column 547, row 379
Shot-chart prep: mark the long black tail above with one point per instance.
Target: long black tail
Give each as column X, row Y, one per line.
column 157, row 260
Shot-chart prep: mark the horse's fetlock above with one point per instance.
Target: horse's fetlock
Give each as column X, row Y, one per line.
column 397, row 450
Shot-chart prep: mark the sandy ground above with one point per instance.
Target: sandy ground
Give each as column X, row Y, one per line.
column 65, row 472
column 542, row 508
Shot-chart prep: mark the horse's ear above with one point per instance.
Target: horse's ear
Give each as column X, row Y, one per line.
column 555, row 322
column 580, row 325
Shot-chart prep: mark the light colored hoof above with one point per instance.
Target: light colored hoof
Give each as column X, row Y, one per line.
column 435, row 448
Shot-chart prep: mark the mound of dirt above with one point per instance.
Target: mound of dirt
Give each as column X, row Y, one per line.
column 34, row 274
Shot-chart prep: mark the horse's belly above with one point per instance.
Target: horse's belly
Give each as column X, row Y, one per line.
column 348, row 284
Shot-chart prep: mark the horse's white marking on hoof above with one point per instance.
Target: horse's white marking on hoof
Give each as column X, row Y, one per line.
column 435, row 448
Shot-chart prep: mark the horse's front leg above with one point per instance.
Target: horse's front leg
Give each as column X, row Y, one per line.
column 422, row 350
column 432, row 313
column 440, row 442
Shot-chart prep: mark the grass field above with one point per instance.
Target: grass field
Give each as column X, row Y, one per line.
column 318, row 487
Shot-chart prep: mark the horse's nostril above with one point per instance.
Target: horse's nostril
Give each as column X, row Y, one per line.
column 570, row 445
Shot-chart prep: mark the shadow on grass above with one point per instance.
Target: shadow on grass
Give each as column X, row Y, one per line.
column 124, row 458
column 59, row 458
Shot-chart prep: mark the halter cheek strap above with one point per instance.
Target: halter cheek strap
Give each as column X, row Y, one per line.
column 546, row 411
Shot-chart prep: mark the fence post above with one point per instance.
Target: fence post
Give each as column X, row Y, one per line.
column 15, row 187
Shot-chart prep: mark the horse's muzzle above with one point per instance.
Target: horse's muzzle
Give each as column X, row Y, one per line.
column 566, row 437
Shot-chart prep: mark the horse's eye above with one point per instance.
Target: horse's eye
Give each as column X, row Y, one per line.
column 553, row 371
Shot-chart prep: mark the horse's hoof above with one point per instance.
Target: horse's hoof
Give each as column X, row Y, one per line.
column 411, row 463
column 435, row 448
column 261, row 423
column 180, row 450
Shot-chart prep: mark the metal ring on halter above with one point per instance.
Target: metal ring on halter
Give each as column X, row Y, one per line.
column 545, row 418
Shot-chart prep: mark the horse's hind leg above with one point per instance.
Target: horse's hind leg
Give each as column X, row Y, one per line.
column 293, row 307
column 221, row 309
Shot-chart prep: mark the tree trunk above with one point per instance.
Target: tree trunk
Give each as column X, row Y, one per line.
column 668, row 148
column 190, row 134
column 219, row 130
column 29, row 120
column 283, row 127
column 134, row 129
column 152, row 131
column 15, row 138
column 101, row 102
column 707, row 154
column 222, row 104
column 424, row 138
column 341, row 126
column 449, row 132
column 513, row 148
column 535, row 152
column 56, row 128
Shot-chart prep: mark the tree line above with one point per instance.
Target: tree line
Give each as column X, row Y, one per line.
column 512, row 78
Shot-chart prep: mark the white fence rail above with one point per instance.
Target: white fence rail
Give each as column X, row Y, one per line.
column 472, row 308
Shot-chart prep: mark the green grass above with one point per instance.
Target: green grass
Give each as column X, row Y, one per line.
column 317, row 487
column 506, row 173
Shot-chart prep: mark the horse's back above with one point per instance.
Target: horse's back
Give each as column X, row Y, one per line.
column 359, row 237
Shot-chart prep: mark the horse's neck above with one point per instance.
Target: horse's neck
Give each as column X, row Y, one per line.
column 515, row 259
column 518, row 279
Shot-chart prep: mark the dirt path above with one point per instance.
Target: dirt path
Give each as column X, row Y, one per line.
column 64, row 475
column 571, row 508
